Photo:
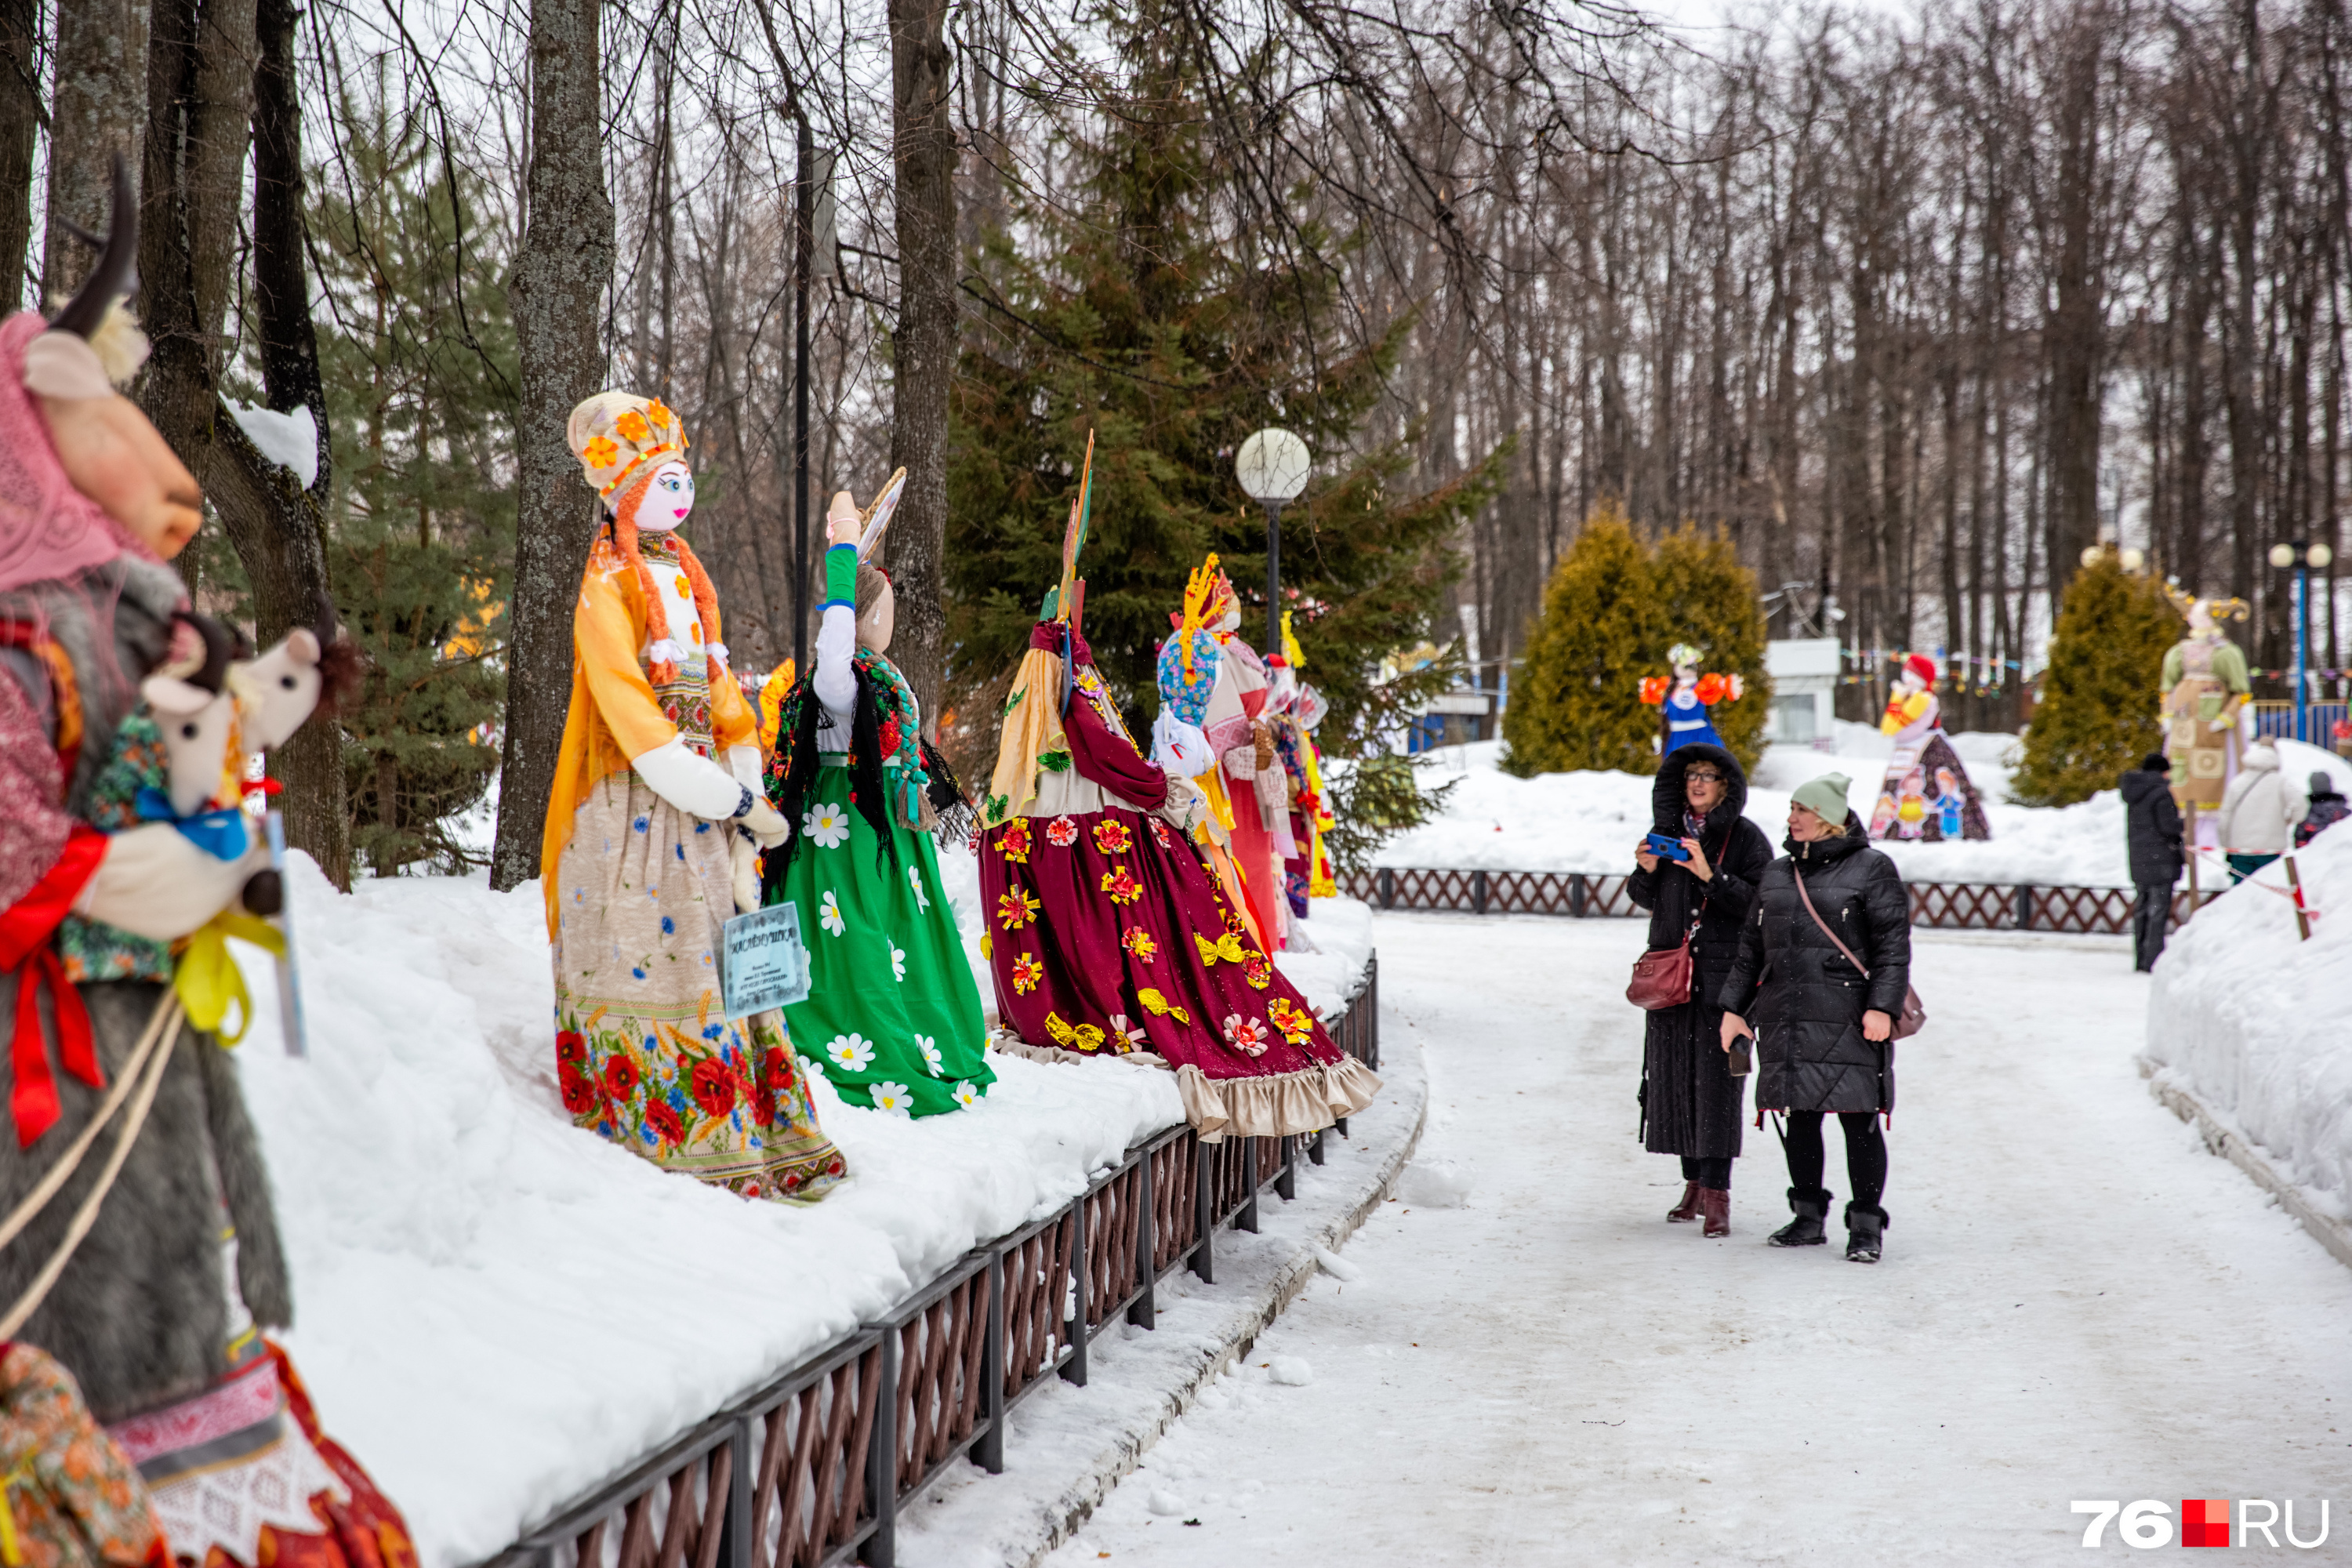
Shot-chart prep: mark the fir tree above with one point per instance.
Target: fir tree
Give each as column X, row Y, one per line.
column 1575, row 701
column 1710, row 602
column 2097, row 714
column 1125, row 308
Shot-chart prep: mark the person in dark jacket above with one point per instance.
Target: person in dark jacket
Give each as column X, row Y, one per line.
column 2152, row 829
column 2328, row 807
column 1824, row 1028
column 1690, row 1100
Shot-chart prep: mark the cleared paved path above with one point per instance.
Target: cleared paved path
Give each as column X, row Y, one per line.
column 2076, row 1301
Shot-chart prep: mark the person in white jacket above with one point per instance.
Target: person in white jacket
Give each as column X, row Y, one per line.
column 2259, row 813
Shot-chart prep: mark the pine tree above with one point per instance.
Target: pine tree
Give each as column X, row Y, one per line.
column 2098, row 713
column 1124, row 309
column 1710, row 602
column 1575, row 701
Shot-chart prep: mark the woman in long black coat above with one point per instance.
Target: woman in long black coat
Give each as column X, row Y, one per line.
column 1690, row 1100
column 1824, row 1031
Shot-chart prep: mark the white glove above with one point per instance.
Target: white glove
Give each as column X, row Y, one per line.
column 744, row 761
column 1181, row 748
column 155, row 883
column 745, row 872
column 765, row 823
column 690, row 782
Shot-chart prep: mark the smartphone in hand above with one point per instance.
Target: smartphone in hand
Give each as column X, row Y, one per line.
column 1666, row 848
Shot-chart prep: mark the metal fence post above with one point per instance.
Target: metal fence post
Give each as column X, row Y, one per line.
column 1075, row 1369
column 1384, row 883
column 1247, row 1219
column 735, row 1525
column 1314, row 1147
column 1144, row 1311
column 1478, row 892
column 881, row 1549
column 1576, row 895
column 989, row 1452
column 1372, row 1013
column 2024, row 906
column 1205, row 1212
column 1285, row 1180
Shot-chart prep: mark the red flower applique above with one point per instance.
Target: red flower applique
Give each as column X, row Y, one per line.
column 1016, row 909
column 1026, row 972
column 1296, row 1024
column 1247, row 1036
column 1160, row 833
column 1061, row 833
column 1258, row 971
column 1138, row 941
column 1122, row 888
column 1112, row 837
column 1013, row 842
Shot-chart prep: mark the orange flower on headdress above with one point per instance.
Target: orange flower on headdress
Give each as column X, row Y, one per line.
column 630, row 427
column 658, row 412
column 600, row 453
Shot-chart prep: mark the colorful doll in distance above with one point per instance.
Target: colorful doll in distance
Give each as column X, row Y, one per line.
column 893, row 1016
column 158, row 1315
column 1191, row 664
column 1926, row 793
column 1684, row 699
column 650, row 846
column 1242, row 736
column 2205, row 692
column 1296, row 708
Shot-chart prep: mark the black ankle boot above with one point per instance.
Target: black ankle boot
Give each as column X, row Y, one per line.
column 1865, row 1230
column 1811, row 1206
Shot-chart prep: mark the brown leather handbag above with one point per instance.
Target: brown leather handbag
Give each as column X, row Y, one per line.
column 1913, row 1016
column 1663, row 977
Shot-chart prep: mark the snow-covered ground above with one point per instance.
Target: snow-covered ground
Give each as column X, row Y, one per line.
column 496, row 1311
column 2257, row 1023
column 2077, row 1301
column 1590, row 822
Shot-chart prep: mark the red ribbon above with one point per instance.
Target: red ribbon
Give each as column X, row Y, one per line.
column 25, row 928
column 34, row 1100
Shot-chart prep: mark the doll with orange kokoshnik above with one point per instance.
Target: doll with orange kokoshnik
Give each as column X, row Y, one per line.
column 654, row 829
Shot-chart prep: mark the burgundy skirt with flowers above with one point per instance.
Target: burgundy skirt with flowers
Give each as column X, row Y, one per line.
column 1108, row 936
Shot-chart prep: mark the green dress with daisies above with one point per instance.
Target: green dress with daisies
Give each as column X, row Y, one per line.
column 893, row 1016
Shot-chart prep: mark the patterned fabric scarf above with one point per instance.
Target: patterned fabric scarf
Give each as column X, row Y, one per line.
column 888, row 782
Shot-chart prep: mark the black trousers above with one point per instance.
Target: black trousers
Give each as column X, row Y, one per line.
column 2151, row 919
column 1865, row 1153
column 1707, row 1172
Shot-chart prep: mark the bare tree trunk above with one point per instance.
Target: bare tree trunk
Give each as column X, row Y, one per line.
column 20, row 123
column 922, row 350
column 560, row 276
column 97, row 109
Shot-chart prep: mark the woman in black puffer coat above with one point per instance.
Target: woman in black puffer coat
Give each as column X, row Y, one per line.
column 1690, row 1100
column 1824, row 1033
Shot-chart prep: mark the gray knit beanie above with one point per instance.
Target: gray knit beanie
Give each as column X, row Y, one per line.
column 1825, row 796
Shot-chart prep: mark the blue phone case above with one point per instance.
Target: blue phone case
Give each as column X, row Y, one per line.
column 1667, row 849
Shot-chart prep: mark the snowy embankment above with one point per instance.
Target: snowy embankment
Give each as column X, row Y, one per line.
column 496, row 1311
column 2257, row 1024
column 1590, row 822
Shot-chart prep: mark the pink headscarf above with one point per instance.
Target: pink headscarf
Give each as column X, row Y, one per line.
column 49, row 529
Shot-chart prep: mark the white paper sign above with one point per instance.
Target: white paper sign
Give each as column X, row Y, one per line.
column 762, row 963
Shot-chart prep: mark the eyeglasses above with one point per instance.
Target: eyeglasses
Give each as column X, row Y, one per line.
column 1700, row 775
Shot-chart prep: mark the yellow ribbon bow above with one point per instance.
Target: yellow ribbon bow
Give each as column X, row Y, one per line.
column 208, row 979
column 1160, row 1006
column 1227, row 947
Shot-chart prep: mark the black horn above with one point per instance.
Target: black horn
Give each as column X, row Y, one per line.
column 111, row 278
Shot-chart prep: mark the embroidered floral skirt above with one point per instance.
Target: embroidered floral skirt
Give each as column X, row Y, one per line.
column 1108, row 936
column 644, row 1053
column 893, row 1016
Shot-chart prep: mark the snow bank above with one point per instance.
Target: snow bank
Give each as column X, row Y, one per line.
column 1590, row 822
column 2258, row 1023
column 496, row 1311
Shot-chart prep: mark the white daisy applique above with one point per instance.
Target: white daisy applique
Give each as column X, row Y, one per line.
column 931, row 1056
column 966, row 1095
column 828, row 913
column 894, row 1099
column 898, row 963
column 850, row 1053
column 915, row 880
column 827, row 825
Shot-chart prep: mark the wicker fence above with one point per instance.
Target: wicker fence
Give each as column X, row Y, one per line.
column 811, row 1470
column 1940, row 905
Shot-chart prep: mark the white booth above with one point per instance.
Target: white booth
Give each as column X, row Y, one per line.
column 1804, row 672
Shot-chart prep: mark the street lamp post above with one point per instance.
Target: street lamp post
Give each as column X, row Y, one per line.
column 2303, row 556
column 1272, row 468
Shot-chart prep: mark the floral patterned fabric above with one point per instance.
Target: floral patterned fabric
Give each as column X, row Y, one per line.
column 92, row 949
column 73, row 1498
column 892, row 1018
column 644, row 1055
